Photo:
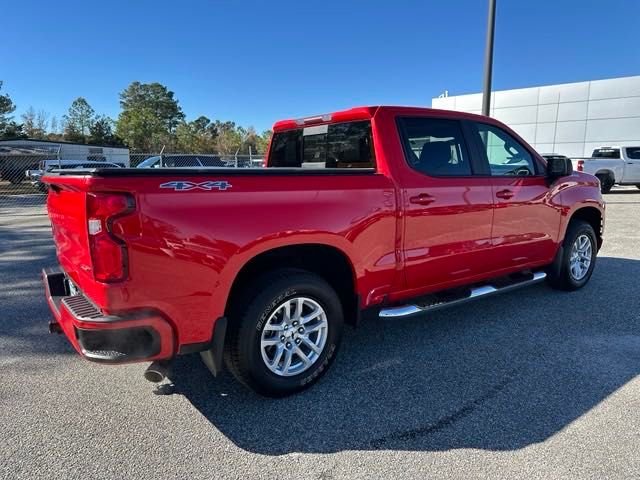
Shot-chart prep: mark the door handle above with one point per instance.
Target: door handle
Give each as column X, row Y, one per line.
column 506, row 194
column 422, row 199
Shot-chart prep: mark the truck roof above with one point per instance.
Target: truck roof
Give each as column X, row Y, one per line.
column 366, row 113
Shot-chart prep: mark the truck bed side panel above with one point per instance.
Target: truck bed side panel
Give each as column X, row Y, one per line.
column 193, row 242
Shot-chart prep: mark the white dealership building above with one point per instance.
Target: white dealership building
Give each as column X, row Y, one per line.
column 570, row 119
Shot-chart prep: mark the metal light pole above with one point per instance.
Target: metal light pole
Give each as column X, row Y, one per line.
column 488, row 59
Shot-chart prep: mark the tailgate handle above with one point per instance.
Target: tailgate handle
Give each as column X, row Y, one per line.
column 422, row 199
column 506, row 194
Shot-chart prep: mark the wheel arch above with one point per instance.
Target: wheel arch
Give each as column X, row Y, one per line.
column 327, row 261
column 593, row 216
column 606, row 171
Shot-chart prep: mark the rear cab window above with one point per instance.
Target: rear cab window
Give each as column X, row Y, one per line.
column 347, row 145
column 606, row 153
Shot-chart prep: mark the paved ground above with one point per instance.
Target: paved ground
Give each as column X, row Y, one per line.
column 533, row 384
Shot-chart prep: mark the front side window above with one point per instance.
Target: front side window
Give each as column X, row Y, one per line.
column 337, row 145
column 633, row 153
column 506, row 156
column 435, row 146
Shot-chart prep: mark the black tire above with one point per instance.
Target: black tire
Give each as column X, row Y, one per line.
column 559, row 274
column 243, row 354
column 606, row 182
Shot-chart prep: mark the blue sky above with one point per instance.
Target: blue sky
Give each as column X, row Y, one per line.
column 258, row 61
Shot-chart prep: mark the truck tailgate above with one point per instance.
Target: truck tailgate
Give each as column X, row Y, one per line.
column 67, row 212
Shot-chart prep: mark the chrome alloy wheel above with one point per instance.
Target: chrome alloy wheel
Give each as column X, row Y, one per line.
column 581, row 257
column 294, row 336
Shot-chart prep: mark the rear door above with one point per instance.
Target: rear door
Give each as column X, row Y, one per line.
column 525, row 221
column 448, row 210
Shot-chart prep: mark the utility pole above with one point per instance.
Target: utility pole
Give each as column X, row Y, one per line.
column 488, row 59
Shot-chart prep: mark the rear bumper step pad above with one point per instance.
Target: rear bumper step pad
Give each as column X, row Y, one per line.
column 137, row 336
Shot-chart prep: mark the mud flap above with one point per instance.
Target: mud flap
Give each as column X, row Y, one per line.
column 212, row 357
column 555, row 269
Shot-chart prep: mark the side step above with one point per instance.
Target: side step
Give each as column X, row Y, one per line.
column 440, row 300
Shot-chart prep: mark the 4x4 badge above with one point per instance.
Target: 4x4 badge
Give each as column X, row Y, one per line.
column 185, row 185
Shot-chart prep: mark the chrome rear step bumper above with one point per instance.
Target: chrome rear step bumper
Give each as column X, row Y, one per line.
column 436, row 302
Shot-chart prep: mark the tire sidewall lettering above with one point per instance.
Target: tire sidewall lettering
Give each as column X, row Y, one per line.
column 321, row 366
column 272, row 305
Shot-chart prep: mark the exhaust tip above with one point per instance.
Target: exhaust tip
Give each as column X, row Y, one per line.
column 157, row 371
column 153, row 376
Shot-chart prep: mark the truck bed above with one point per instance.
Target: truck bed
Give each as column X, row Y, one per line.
column 189, row 243
column 209, row 171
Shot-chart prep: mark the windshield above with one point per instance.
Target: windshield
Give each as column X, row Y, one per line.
column 149, row 162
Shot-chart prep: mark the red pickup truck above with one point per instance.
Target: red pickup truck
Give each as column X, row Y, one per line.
column 386, row 211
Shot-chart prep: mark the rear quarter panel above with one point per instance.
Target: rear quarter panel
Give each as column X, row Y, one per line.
column 193, row 243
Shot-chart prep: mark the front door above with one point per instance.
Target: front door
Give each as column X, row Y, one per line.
column 448, row 211
column 525, row 221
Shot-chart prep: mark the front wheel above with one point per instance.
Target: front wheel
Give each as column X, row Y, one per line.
column 285, row 337
column 573, row 269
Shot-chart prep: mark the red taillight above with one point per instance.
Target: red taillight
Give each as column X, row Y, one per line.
column 106, row 216
column 581, row 165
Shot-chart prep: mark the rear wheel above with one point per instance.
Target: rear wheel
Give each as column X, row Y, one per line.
column 606, row 182
column 286, row 337
column 573, row 269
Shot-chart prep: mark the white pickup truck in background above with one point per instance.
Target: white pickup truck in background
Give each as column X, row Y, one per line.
column 618, row 165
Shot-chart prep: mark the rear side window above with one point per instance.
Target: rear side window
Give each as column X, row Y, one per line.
column 338, row 145
column 435, row 146
column 633, row 153
column 606, row 153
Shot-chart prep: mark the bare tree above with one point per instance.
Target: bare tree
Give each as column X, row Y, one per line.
column 42, row 122
column 35, row 124
column 54, row 124
column 29, row 122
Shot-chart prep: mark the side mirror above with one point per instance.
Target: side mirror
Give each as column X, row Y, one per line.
column 559, row 167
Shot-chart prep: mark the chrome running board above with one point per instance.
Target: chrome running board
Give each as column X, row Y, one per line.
column 444, row 299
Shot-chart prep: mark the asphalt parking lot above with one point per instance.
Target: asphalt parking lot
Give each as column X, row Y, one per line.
column 531, row 384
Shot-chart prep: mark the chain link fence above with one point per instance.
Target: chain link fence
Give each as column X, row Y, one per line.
column 22, row 192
